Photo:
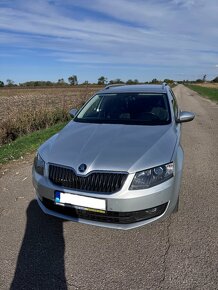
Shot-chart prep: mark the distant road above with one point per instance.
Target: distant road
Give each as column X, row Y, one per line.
column 40, row 252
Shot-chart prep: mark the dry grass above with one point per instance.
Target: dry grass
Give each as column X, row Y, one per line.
column 208, row 85
column 26, row 110
column 30, row 121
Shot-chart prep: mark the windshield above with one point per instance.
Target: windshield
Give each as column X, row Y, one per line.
column 126, row 108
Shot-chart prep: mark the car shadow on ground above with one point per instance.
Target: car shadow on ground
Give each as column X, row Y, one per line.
column 40, row 264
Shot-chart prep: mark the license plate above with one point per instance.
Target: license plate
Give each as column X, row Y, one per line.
column 80, row 201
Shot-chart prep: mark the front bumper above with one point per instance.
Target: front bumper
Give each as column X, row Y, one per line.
column 126, row 209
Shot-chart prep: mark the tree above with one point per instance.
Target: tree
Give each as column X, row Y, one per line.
column 73, row 80
column 2, row 84
column 37, row 84
column 130, row 82
column 168, row 81
column 215, row 80
column 61, row 82
column 199, row 81
column 10, row 83
column 116, row 81
column 102, row 80
column 155, row 81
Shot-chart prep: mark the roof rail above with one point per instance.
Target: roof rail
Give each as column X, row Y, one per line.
column 164, row 85
column 113, row 85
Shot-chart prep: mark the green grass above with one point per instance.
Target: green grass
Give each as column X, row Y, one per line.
column 27, row 144
column 211, row 93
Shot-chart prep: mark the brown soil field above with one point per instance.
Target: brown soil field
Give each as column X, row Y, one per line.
column 18, row 100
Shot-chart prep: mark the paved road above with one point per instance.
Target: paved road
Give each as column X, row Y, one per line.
column 40, row 252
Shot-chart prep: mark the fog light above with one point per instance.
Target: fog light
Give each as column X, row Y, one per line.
column 151, row 210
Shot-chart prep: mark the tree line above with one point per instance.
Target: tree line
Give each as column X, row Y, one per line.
column 102, row 80
column 72, row 80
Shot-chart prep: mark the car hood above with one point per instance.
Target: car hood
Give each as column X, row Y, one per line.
column 111, row 147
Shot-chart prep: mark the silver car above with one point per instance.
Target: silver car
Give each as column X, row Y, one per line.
column 118, row 163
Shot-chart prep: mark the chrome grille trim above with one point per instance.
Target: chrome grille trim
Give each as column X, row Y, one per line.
column 101, row 182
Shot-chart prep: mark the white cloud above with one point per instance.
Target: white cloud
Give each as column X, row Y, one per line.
column 159, row 33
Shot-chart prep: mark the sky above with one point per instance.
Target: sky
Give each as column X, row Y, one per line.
column 127, row 39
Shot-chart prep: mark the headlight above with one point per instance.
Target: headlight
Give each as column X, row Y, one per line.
column 151, row 177
column 39, row 164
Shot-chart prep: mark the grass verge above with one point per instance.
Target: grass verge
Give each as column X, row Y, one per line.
column 211, row 93
column 27, row 144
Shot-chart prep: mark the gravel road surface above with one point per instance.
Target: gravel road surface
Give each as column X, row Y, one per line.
column 181, row 252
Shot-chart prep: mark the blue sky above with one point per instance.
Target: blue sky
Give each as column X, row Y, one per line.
column 137, row 39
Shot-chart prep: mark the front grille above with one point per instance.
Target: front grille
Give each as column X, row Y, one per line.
column 108, row 216
column 94, row 182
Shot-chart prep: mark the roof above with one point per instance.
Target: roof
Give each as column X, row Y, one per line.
column 134, row 88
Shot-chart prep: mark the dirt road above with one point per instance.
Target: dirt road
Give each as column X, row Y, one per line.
column 40, row 252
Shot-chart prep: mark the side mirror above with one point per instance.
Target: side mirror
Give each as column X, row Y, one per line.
column 73, row 112
column 185, row 117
